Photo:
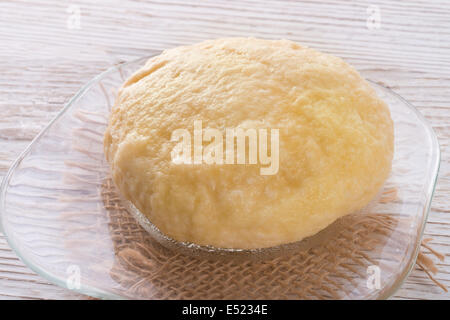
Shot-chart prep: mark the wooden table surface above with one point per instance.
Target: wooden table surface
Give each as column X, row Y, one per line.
column 50, row 48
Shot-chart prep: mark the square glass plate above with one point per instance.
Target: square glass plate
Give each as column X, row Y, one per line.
column 61, row 215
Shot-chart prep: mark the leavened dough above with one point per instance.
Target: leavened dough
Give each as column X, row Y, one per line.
column 335, row 150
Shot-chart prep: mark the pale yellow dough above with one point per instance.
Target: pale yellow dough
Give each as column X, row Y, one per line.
column 336, row 141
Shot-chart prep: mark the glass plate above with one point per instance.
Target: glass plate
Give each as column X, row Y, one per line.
column 58, row 213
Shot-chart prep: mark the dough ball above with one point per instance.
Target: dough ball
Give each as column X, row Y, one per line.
column 335, row 141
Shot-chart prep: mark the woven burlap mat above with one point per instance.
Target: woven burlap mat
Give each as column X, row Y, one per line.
column 334, row 269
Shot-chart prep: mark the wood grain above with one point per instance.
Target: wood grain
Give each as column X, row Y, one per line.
column 43, row 63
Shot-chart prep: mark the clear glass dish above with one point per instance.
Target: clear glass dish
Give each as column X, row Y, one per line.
column 62, row 216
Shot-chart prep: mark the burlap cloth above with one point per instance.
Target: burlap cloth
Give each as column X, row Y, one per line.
column 335, row 268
